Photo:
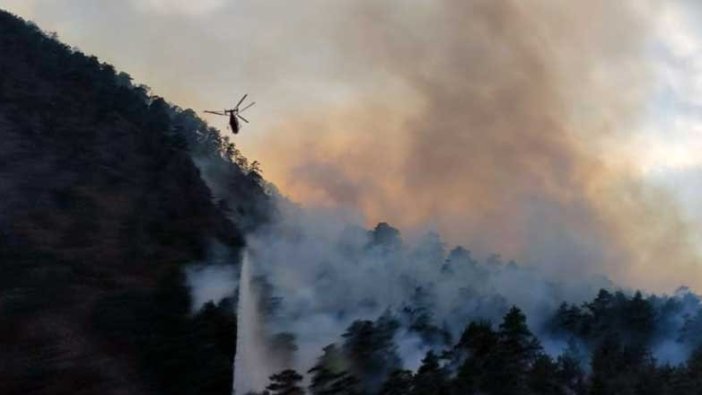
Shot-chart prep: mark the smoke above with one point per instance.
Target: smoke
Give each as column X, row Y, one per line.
column 675, row 319
column 185, row 7
column 320, row 270
column 324, row 271
column 504, row 125
column 496, row 123
column 215, row 279
column 210, row 283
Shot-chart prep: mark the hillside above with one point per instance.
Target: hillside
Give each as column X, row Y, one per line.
column 102, row 205
column 120, row 212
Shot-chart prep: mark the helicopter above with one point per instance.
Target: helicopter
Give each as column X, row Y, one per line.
column 234, row 114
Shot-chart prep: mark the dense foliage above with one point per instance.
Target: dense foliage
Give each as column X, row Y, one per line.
column 607, row 354
column 612, row 342
column 107, row 191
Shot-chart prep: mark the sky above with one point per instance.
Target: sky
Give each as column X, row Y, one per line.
column 544, row 131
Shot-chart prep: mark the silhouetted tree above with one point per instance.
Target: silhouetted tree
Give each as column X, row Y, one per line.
column 570, row 373
column 286, row 382
column 543, row 377
column 371, row 351
column 430, row 379
column 621, row 369
column 514, row 355
column 329, row 375
column 385, row 237
column 475, row 348
column 399, row 382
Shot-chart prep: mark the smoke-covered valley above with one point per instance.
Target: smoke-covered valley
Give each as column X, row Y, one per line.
column 317, row 273
column 461, row 218
column 480, row 120
column 494, row 125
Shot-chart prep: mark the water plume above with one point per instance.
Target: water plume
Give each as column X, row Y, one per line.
column 251, row 367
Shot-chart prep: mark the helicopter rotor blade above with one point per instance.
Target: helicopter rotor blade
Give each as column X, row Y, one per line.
column 241, row 101
column 242, row 118
column 215, row 112
column 247, row 106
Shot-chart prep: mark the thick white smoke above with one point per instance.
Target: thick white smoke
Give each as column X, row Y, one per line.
column 323, row 271
column 214, row 279
column 310, row 273
column 210, row 283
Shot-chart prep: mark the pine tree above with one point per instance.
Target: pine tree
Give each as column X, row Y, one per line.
column 286, row 382
column 477, row 344
column 329, row 376
column 398, row 383
column 371, row 351
column 516, row 352
column 570, row 373
column 620, row 369
column 639, row 319
column 543, row 378
column 430, row 378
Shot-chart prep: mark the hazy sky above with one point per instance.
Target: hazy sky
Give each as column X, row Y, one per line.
column 482, row 119
column 205, row 53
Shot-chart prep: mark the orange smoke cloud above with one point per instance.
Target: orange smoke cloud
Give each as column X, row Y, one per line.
column 495, row 122
column 492, row 122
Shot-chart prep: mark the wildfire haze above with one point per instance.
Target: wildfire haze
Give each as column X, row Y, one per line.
column 500, row 124
column 430, row 197
column 505, row 126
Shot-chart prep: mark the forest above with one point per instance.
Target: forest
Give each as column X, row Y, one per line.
column 103, row 205
column 608, row 352
column 110, row 192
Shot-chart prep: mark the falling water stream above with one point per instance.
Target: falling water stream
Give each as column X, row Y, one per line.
column 250, row 367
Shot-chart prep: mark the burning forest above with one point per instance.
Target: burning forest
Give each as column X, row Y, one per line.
column 485, row 197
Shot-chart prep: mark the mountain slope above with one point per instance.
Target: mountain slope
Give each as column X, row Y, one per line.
column 101, row 207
